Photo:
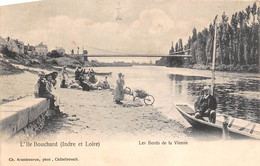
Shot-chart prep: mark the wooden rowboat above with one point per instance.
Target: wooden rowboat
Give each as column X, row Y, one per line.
column 237, row 128
column 102, row 74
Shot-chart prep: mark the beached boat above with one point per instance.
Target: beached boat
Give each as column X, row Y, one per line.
column 237, row 128
column 102, row 74
column 99, row 73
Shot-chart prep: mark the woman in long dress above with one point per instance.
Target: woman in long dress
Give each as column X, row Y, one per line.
column 50, row 87
column 119, row 91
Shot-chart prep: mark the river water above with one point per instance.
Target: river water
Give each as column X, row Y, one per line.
column 237, row 93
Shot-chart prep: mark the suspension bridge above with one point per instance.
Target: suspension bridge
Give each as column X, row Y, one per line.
column 110, row 54
column 131, row 55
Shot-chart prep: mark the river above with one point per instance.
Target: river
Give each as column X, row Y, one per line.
column 237, row 93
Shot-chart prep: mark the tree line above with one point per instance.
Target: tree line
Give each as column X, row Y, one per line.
column 237, row 42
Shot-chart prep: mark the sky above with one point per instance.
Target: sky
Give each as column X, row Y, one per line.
column 147, row 26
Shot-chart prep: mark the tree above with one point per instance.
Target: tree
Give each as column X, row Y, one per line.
column 200, row 52
column 209, row 44
column 180, row 45
column 240, row 51
column 237, row 40
column 171, row 52
column 225, row 37
column 234, row 38
column 258, row 15
column 176, row 47
column 194, row 35
column 247, row 15
column 253, row 11
column 54, row 54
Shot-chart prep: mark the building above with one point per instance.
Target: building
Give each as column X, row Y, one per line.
column 3, row 42
column 12, row 45
column 29, row 50
column 41, row 49
column 20, row 46
column 60, row 50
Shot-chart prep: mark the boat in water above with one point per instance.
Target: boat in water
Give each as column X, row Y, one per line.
column 224, row 124
column 237, row 128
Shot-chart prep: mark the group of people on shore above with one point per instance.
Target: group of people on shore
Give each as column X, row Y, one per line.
column 46, row 85
column 83, row 80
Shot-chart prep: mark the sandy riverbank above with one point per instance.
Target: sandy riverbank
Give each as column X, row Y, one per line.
column 95, row 114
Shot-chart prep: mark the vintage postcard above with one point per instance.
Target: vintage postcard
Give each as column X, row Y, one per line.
column 129, row 82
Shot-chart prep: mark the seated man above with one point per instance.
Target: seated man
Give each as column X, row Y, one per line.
column 205, row 106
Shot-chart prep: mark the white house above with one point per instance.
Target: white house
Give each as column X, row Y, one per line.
column 41, row 49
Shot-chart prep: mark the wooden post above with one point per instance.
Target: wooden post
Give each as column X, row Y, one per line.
column 225, row 132
column 213, row 58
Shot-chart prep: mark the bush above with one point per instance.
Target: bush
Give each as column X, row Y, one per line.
column 253, row 68
column 4, row 50
column 54, row 54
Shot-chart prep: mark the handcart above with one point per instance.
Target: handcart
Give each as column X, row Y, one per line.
column 148, row 99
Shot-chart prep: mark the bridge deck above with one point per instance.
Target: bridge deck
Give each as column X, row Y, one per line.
column 135, row 55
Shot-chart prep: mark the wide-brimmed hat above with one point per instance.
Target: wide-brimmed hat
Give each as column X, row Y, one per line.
column 205, row 89
column 41, row 73
column 52, row 74
column 47, row 75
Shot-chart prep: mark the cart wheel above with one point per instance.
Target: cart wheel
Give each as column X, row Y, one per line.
column 127, row 90
column 149, row 100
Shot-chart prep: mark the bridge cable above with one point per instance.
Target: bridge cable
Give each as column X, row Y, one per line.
column 128, row 53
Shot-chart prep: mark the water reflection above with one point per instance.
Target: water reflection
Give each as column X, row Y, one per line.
column 179, row 78
column 239, row 98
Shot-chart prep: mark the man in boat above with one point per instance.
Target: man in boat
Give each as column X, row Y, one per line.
column 206, row 106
